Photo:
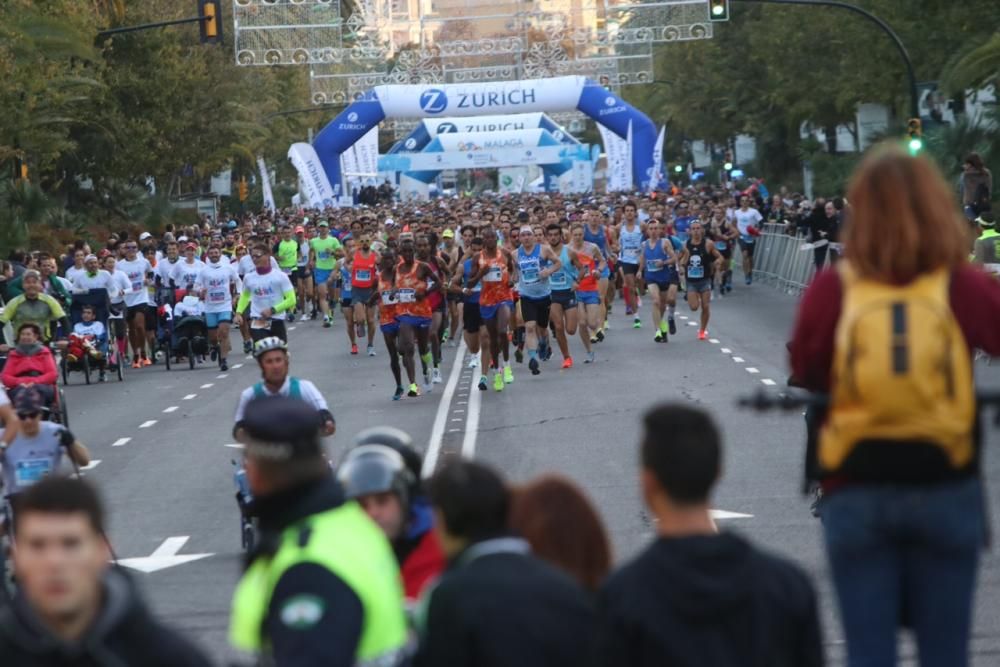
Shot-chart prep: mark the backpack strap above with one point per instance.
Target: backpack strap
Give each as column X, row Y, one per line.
column 258, row 390
column 294, row 388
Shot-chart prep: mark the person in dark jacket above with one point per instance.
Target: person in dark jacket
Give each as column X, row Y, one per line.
column 496, row 605
column 72, row 609
column 697, row 597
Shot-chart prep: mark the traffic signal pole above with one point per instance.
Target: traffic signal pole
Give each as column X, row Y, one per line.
column 151, row 26
column 885, row 27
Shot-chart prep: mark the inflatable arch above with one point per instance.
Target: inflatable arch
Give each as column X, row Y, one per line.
column 564, row 93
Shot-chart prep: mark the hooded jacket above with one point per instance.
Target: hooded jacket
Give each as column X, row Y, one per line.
column 29, row 363
column 708, row 600
column 124, row 634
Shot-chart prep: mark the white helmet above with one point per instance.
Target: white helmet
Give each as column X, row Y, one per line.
column 268, row 344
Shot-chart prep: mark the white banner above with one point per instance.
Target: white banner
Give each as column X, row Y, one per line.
column 522, row 121
column 582, row 177
column 504, row 157
column 366, row 151
column 476, row 99
column 486, row 141
column 265, row 184
column 316, row 186
column 222, row 183
column 511, row 179
column 654, row 178
column 618, row 158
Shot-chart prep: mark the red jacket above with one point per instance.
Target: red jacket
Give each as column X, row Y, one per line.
column 37, row 368
column 422, row 565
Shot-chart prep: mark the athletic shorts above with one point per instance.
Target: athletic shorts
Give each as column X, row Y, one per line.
column 490, row 312
column 390, row 328
column 536, row 310
column 565, row 298
column 361, row 294
column 747, row 247
column 662, row 285
column 146, row 311
column 117, row 326
column 699, row 286
column 277, row 329
column 322, row 275
column 605, row 272
column 629, row 269
column 213, row 320
column 346, row 303
column 472, row 319
column 588, row 297
column 414, row 321
column 454, row 298
column 301, row 274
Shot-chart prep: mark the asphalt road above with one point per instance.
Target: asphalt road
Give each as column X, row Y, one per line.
column 165, row 468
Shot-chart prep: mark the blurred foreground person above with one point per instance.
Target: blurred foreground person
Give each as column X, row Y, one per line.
column 496, row 605
column 322, row 587
column 697, row 597
column 72, row 608
column 563, row 528
column 889, row 337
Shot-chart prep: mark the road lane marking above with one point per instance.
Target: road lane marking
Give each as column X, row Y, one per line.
column 171, row 408
column 472, row 423
column 291, row 328
column 752, row 370
column 120, row 441
column 738, row 360
column 235, row 366
column 147, row 424
column 163, row 556
column 724, row 514
column 713, row 341
column 234, row 445
column 90, row 466
column 437, row 431
column 189, row 397
column 221, row 376
column 726, row 350
column 207, row 386
column 692, row 324
column 769, row 382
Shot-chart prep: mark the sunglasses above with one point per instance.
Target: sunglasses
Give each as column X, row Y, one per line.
column 29, row 415
column 257, row 255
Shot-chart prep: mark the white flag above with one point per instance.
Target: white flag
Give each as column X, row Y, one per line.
column 312, row 177
column 265, row 183
column 619, row 159
column 655, row 177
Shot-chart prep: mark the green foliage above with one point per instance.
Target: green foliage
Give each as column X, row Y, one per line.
column 115, row 111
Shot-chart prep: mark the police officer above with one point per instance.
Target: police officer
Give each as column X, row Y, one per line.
column 323, row 587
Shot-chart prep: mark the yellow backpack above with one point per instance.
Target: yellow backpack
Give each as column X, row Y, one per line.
column 902, row 371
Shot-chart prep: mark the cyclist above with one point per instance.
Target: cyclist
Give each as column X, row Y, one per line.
column 272, row 356
column 269, row 295
column 30, row 364
column 33, row 306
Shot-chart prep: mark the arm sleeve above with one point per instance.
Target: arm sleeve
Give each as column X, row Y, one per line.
column 287, row 301
column 314, row 618
column 244, row 300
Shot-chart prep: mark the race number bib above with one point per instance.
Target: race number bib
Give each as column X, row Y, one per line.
column 655, row 264
column 558, row 280
column 217, row 296
column 363, row 275
column 260, row 324
column 29, row 471
column 406, row 295
column 721, row 245
column 696, row 272
column 388, row 299
column 530, row 276
column 494, row 275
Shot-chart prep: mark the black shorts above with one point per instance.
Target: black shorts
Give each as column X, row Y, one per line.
column 565, row 298
column 472, row 319
column 536, row 310
column 747, row 248
column 277, row 329
column 454, row 298
column 145, row 311
column 117, row 327
column 629, row 269
column 361, row 294
column 301, row 275
column 346, row 303
column 662, row 285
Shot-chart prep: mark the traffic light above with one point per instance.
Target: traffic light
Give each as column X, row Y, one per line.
column 915, row 130
column 243, row 188
column 211, row 26
column 728, row 164
column 678, row 168
column 718, row 10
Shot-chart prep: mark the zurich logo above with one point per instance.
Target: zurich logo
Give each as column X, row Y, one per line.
column 557, row 135
column 433, row 100
column 411, row 144
column 352, row 117
column 610, row 101
column 444, row 128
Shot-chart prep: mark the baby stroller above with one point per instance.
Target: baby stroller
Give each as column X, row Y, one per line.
column 165, row 300
column 190, row 333
column 248, row 522
column 109, row 358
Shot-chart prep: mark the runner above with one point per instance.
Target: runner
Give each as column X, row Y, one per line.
column 747, row 222
column 426, row 247
column 362, row 282
column 598, row 235
column 140, row 313
column 286, row 253
column 535, row 263
column 323, row 260
column 343, row 278
column 476, row 335
column 630, row 236
column 268, row 294
column 698, row 259
column 563, row 311
column 588, row 293
column 386, row 298
column 495, row 267
column 413, row 278
column 725, row 237
column 656, row 266
column 217, row 283
column 454, row 254
column 185, row 272
column 302, row 278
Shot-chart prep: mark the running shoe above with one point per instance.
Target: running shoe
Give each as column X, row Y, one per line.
column 519, row 355
column 304, row 318
column 473, row 361
column 223, row 365
column 354, row 348
column 136, row 364
column 446, row 335
column 703, row 334
column 436, row 378
column 628, row 310
column 371, row 351
column 414, row 390
column 508, row 374
column 247, row 346
column 498, row 382
column 637, row 323
column 591, row 358
column 428, row 383
column 146, row 362
column 482, row 383
column 748, row 280
column 658, row 338
column 214, row 353
column 103, row 377
column 399, row 394
column 567, row 363
column 326, row 322
column 314, row 314
column 600, row 334
column 533, row 365
column 672, row 326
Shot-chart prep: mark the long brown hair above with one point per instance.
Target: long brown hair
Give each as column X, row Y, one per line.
column 904, row 219
column 563, row 528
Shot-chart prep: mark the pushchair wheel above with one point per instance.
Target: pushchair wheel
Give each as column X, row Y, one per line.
column 190, row 353
column 86, row 368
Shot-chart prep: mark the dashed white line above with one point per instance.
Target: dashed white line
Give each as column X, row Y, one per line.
column 234, row 445
column 291, row 328
column 752, row 370
column 454, row 430
column 221, row 376
column 738, row 360
column 235, row 366
column 472, row 423
column 692, row 324
column 726, row 350
column 90, row 466
column 683, row 317
column 120, row 441
column 456, row 419
column 713, row 341
column 207, row 386
column 189, row 397
column 172, row 408
column 147, row 424
column 769, row 382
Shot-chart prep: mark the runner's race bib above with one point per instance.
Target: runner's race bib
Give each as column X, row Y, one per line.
column 363, row 275
column 721, row 245
column 530, row 276
column 406, row 295
column 655, row 265
column 388, row 299
column 260, row 324
column 29, row 471
column 696, row 272
column 558, row 280
column 494, row 275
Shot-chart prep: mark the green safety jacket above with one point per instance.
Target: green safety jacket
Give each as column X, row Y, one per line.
column 353, row 548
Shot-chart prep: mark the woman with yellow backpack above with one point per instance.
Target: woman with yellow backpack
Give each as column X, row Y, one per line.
column 889, row 335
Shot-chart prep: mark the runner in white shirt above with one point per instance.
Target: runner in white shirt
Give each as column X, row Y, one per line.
column 746, row 218
column 216, row 284
column 116, row 318
column 93, row 277
column 247, row 264
column 269, row 295
column 140, row 314
column 186, row 272
column 165, row 267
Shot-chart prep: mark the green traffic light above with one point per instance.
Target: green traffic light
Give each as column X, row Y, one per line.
column 728, row 166
column 718, row 9
column 916, row 145
column 678, row 168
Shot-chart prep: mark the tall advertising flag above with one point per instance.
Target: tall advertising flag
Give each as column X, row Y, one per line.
column 317, row 190
column 265, row 181
column 656, row 176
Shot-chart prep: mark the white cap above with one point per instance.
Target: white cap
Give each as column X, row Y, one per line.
column 389, row 222
column 144, row 236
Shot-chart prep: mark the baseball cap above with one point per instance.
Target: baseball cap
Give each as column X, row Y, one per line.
column 300, row 230
column 389, row 222
column 986, row 220
column 448, row 234
column 280, row 428
column 324, row 223
column 144, row 236
column 191, row 246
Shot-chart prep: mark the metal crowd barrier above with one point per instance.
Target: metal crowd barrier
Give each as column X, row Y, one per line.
column 780, row 260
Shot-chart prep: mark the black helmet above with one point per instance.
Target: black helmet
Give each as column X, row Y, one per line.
column 397, row 439
column 369, row 469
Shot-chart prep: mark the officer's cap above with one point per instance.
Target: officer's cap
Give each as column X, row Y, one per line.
column 280, row 429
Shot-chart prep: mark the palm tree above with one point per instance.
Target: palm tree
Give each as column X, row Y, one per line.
column 976, row 67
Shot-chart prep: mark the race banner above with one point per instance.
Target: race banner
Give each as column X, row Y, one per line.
column 317, row 190
column 618, row 159
column 265, row 184
column 656, row 177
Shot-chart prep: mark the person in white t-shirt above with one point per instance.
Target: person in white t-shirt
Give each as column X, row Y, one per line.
column 268, row 294
column 216, row 284
column 165, row 267
column 186, row 272
column 9, row 419
column 79, row 256
column 748, row 225
column 116, row 317
column 92, row 277
column 139, row 311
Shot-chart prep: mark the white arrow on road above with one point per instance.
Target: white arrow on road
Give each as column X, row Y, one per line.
column 723, row 514
column 163, row 557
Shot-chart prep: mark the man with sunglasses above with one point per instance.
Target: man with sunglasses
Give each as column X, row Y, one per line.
column 268, row 294
column 37, row 449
